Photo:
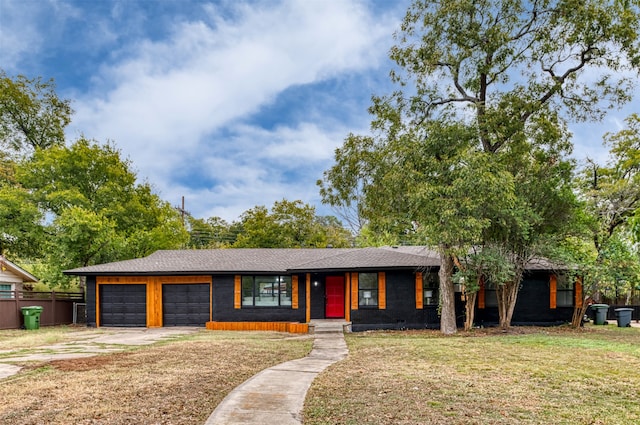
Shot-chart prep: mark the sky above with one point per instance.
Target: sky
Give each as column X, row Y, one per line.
column 229, row 104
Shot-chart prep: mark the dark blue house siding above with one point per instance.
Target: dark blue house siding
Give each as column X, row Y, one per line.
column 401, row 311
column 91, row 301
column 224, row 311
column 532, row 306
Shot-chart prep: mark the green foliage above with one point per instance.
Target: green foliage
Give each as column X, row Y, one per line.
column 611, row 194
column 84, row 174
column 487, row 263
column 471, row 150
column 31, row 114
column 289, row 224
column 211, row 233
column 21, row 234
column 367, row 237
column 618, row 269
column 96, row 212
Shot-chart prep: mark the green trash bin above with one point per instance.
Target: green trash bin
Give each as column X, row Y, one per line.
column 31, row 316
column 623, row 316
column 599, row 313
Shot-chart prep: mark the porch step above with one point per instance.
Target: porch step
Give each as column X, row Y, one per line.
column 329, row 326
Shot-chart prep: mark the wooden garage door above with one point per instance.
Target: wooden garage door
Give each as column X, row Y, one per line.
column 123, row 305
column 185, row 304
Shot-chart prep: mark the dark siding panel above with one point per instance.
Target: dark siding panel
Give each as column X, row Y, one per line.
column 532, row 307
column 223, row 310
column 123, row 305
column 185, row 304
column 401, row 309
column 91, row 301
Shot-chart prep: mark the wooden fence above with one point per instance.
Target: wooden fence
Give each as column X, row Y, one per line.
column 57, row 307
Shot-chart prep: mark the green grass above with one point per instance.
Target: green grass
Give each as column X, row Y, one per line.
column 558, row 375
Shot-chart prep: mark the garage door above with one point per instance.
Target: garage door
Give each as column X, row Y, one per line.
column 123, row 305
column 185, row 304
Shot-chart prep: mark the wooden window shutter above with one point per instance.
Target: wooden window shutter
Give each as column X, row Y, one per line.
column 481, row 302
column 578, row 294
column 354, row 291
column 419, row 291
column 237, row 291
column 382, row 290
column 294, row 292
column 553, row 291
column 347, row 295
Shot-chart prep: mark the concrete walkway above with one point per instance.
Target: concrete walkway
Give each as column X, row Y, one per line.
column 88, row 343
column 276, row 395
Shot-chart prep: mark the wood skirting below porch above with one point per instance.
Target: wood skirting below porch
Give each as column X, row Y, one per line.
column 291, row 327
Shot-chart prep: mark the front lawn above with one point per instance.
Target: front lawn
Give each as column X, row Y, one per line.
column 526, row 376
column 175, row 382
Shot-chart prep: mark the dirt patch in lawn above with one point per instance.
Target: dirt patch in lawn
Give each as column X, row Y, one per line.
column 179, row 382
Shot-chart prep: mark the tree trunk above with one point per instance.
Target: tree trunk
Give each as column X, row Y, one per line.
column 470, row 310
column 579, row 312
column 507, row 295
column 447, row 295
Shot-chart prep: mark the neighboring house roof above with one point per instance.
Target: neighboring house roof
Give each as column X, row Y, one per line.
column 264, row 260
column 12, row 273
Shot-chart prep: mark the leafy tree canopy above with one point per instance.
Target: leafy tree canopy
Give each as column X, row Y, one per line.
column 32, row 116
column 471, row 149
column 95, row 211
column 289, row 224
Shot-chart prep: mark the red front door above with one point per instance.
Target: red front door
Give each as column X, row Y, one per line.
column 334, row 296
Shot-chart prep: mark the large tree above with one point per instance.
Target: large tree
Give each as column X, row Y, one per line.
column 499, row 77
column 32, row 116
column 611, row 193
column 96, row 211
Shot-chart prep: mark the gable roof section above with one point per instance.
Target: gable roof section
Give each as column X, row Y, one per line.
column 260, row 260
column 8, row 268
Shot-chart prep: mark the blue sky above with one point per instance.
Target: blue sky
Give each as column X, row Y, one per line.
column 231, row 104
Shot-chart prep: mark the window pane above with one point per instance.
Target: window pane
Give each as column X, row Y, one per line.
column 564, row 282
column 247, row 290
column 285, row 290
column 430, row 296
column 368, row 281
column 5, row 291
column 368, row 297
column 431, row 289
column 368, row 289
column 267, row 290
column 564, row 298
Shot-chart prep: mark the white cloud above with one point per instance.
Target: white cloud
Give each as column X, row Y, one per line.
column 165, row 102
column 20, row 35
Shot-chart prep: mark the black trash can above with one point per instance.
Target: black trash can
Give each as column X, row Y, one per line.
column 599, row 313
column 623, row 316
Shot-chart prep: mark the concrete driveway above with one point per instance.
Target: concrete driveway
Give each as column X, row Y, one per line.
column 89, row 342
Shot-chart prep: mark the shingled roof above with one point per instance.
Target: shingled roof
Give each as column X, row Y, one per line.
column 264, row 260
